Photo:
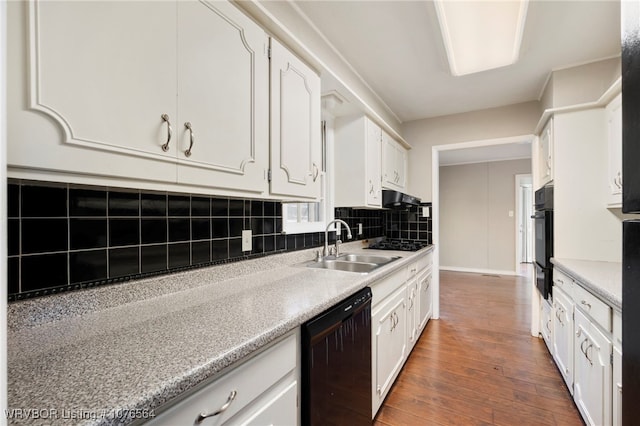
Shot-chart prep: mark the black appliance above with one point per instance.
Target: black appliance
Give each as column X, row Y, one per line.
column 543, row 218
column 630, row 13
column 336, row 364
column 398, row 244
column 398, row 200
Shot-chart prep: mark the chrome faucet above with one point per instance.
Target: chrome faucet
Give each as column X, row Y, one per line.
column 338, row 242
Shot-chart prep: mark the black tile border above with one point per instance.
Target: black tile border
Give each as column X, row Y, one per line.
column 110, row 257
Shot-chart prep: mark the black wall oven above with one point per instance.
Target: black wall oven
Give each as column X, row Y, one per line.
column 543, row 218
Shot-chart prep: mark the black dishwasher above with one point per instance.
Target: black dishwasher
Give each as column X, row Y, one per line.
column 336, row 364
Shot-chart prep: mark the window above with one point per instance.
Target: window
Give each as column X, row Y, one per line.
column 305, row 217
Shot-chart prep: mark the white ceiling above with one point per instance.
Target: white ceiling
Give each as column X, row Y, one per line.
column 396, row 47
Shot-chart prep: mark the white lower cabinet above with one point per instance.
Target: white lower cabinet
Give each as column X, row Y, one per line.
column 592, row 378
column 616, row 405
column 263, row 390
column 587, row 342
column 389, row 344
column 401, row 308
column 546, row 324
column 425, row 304
column 563, row 335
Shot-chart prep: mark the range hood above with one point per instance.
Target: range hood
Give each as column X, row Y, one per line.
column 398, row 200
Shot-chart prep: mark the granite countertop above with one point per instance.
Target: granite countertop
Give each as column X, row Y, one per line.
column 140, row 344
column 603, row 279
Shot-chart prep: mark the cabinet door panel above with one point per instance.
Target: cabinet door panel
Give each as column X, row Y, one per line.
column 563, row 336
column 592, row 380
column 223, row 94
column 103, row 71
column 614, row 113
column 617, row 387
column 389, row 344
column 280, row 409
column 373, row 164
column 425, row 305
column 295, row 126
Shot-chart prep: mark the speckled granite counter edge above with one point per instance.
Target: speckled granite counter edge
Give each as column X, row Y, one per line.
column 602, row 294
column 31, row 313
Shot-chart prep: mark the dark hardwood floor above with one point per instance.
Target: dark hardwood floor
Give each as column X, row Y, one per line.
column 478, row 364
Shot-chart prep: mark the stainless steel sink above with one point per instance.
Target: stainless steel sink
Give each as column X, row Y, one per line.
column 341, row 265
column 367, row 258
column 360, row 263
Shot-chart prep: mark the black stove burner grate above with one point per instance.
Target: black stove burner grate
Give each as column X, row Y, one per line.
column 401, row 245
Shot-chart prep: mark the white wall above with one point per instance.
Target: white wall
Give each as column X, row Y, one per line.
column 476, row 232
column 494, row 123
column 580, row 84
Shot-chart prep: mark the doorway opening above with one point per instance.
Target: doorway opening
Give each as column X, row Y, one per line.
column 524, row 223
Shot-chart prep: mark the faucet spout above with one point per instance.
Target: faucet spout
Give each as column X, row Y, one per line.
column 326, row 235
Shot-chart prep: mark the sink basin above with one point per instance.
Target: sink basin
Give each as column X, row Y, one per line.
column 367, row 258
column 360, row 263
column 341, row 265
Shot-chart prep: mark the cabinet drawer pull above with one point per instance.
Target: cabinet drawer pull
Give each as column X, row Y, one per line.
column 618, row 180
column 192, row 138
column 316, row 172
column 586, row 354
column 619, row 386
column 165, row 118
column 226, row 405
column 584, row 303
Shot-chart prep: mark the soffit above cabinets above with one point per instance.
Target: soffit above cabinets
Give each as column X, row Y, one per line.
column 397, row 49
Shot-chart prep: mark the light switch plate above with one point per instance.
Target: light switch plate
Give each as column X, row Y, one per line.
column 510, row 213
column 246, row 240
column 425, row 212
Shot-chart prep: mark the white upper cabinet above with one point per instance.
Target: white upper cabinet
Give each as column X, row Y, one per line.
column 96, row 73
column 394, row 163
column 101, row 75
column 614, row 175
column 160, row 93
column 223, row 94
column 545, row 154
column 357, row 162
column 296, row 145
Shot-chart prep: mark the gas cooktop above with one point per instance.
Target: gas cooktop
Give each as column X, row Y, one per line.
column 398, row 244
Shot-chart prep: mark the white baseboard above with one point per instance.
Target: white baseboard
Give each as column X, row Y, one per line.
column 477, row 270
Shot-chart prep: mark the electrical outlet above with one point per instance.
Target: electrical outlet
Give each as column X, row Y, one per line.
column 246, row 240
column 510, row 213
column 425, row 212
column 359, row 229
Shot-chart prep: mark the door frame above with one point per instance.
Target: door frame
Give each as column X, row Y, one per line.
column 435, row 195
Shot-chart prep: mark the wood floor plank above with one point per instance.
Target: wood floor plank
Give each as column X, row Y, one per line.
column 479, row 364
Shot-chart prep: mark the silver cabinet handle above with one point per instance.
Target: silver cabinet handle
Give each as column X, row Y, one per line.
column 619, row 386
column 192, row 138
column 371, row 188
column 618, row 180
column 586, row 353
column 316, row 172
column 220, row 410
column 391, row 321
column 165, row 118
column 548, row 327
column 582, row 347
column 584, row 303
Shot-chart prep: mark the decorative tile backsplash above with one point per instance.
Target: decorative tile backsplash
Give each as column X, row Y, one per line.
column 65, row 237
